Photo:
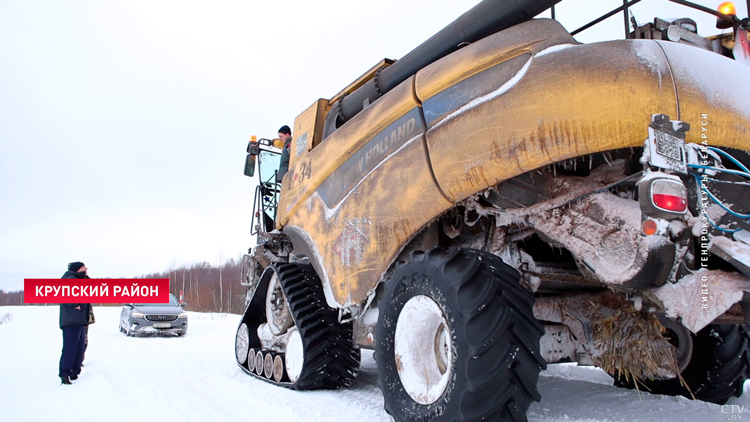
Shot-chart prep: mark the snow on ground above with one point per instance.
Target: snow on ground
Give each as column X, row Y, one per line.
column 195, row 378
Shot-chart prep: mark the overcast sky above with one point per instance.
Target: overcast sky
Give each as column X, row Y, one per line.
column 123, row 124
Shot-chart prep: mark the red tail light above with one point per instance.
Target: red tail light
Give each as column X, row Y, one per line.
column 669, row 195
column 670, row 202
column 662, row 195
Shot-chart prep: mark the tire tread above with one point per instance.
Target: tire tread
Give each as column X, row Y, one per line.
column 501, row 360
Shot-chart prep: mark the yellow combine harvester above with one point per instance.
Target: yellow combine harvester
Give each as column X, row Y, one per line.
column 504, row 197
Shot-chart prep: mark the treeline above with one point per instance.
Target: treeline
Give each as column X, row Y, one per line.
column 205, row 287
column 11, row 298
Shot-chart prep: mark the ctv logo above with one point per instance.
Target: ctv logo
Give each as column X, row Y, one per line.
column 733, row 411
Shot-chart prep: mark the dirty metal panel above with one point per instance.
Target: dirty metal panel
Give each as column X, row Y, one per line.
column 701, row 297
column 455, row 96
column 311, row 169
column 557, row 344
column 714, row 95
column 307, row 130
column 735, row 253
column 561, row 104
column 356, row 241
column 351, row 172
column 474, row 59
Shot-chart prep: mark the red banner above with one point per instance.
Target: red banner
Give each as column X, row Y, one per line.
column 93, row 290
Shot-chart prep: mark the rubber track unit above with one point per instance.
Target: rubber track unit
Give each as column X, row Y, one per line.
column 330, row 358
column 717, row 370
column 496, row 337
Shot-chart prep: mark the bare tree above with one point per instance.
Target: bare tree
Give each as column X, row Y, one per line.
column 204, row 283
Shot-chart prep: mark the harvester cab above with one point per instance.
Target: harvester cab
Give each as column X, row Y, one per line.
column 267, row 153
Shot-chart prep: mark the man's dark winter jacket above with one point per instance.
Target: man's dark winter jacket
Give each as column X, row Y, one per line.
column 69, row 315
column 284, row 163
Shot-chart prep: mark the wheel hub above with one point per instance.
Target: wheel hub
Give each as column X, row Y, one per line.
column 294, row 357
column 242, row 344
column 278, row 315
column 680, row 338
column 423, row 350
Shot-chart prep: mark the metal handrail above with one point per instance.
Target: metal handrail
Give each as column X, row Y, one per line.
column 626, row 5
column 624, row 8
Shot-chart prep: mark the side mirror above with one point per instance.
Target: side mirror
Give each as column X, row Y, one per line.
column 253, row 148
column 183, row 305
column 250, row 165
column 129, row 305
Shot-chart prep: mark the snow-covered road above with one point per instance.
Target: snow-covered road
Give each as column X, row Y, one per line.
column 195, row 378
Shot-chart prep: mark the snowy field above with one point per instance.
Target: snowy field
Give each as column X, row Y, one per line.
column 195, row 378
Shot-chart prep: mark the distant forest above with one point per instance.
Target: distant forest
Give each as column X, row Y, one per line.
column 206, row 287
column 11, row 298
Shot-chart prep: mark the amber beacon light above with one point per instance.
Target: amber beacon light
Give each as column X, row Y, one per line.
column 727, row 8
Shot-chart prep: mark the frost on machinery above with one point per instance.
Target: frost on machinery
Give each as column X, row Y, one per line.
column 504, row 197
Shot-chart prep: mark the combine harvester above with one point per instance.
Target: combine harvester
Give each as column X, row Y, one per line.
column 505, row 197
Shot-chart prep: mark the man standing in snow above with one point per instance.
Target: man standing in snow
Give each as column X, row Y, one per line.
column 285, row 135
column 74, row 320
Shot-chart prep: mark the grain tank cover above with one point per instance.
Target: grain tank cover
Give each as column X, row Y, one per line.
column 484, row 19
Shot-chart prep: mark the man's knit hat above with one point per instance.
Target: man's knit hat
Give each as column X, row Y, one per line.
column 75, row 266
column 285, row 129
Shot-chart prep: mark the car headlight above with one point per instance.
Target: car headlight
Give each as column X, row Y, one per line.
column 137, row 315
column 183, row 315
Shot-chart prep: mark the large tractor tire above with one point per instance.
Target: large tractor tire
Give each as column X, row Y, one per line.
column 718, row 367
column 457, row 339
column 320, row 353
